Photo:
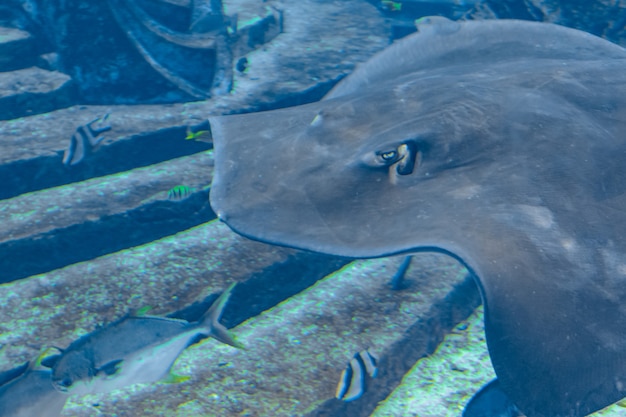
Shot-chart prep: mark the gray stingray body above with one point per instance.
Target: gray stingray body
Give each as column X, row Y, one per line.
column 501, row 143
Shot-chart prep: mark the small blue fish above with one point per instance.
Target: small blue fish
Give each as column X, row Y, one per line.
column 180, row 192
column 353, row 381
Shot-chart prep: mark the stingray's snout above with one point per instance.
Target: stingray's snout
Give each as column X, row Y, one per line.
column 222, row 216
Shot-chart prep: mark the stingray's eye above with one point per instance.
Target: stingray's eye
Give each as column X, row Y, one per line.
column 388, row 157
column 403, row 158
column 398, row 159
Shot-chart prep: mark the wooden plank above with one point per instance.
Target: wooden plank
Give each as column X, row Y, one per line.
column 52, row 228
column 297, row 350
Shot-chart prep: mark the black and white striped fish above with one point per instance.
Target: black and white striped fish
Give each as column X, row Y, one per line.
column 353, row 381
column 85, row 141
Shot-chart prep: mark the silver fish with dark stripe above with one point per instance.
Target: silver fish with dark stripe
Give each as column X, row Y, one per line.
column 134, row 350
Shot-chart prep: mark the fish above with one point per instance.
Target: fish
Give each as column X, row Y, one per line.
column 500, row 143
column 197, row 135
column 353, row 380
column 392, row 6
column 85, row 140
column 27, row 391
column 200, row 132
column 133, row 350
column 179, row 192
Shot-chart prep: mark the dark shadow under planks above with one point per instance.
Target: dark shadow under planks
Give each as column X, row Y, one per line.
column 52, row 228
column 168, row 275
column 441, row 384
column 418, row 340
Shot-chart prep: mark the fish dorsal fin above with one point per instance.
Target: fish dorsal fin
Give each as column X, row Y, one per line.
column 111, row 368
column 47, row 358
column 440, row 43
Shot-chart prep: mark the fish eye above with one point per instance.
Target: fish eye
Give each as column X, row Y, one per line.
column 65, row 383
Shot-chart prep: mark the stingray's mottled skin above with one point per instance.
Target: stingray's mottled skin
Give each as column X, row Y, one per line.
column 517, row 131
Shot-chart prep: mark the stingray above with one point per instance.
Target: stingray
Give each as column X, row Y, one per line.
column 500, row 143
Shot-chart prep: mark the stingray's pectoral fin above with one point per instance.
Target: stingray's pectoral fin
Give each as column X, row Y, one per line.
column 491, row 401
column 111, row 368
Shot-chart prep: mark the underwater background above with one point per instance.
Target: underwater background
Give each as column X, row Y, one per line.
column 104, row 212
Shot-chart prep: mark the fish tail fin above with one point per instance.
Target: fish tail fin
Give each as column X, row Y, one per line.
column 173, row 378
column 211, row 320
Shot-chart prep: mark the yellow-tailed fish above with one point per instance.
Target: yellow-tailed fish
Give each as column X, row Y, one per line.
column 134, row 350
column 200, row 134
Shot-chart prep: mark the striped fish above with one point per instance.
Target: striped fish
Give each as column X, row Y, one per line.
column 85, row 141
column 180, row 192
column 353, row 381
